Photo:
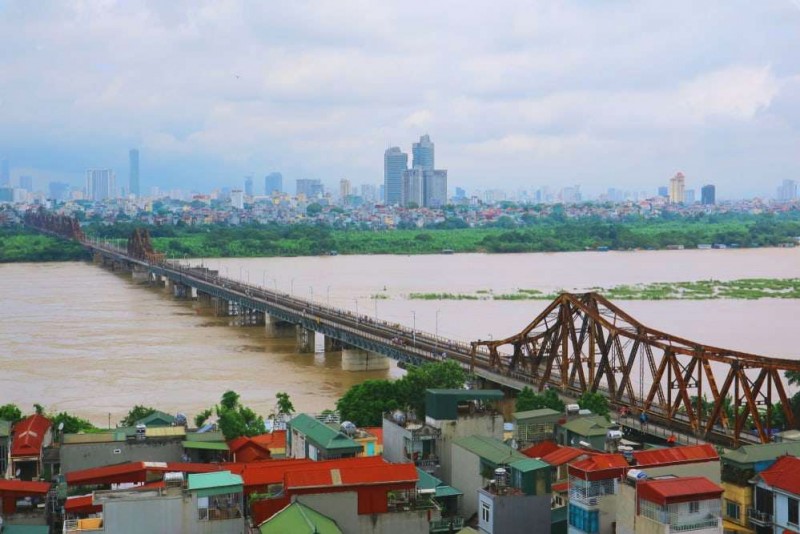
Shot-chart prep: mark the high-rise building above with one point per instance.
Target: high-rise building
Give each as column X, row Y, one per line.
column 676, row 189
column 787, row 191
column 413, row 188
column 395, row 161
column 133, row 172
column 5, row 173
column 26, row 183
column 663, row 191
column 688, row 196
column 273, row 183
column 369, row 193
column 100, row 184
column 460, row 193
column 435, row 184
column 423, row 154
column 59, row 190
column 311, row 189
column 708, row 195
column 237, row 199
column 345, row 189
column 248, row 186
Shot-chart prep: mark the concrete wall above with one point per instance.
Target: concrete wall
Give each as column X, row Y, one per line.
column 77, row 456
column 466, row 477
column 710, row 470
column 474, row 425
column 393, row 439
column 513, row 514
column 343, row 508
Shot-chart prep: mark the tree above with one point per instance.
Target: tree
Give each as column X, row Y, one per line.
column 526, row 400
column 10, row 412
column 411, row 388
column 364, row 404
column 72, row 423
column 38, row 408
column 313, row 209
column 596, row 402
column 284, row 404
column 137, row 413
column 201, row 418
column 230, row 399
column 235, row 419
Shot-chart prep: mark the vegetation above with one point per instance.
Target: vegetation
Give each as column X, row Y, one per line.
column 235, row 419
column 364, row 404
column 596, row 402
column 136, row 413
column 72, row 423
column 201, row 418
column 529, row 400
column 284, row 403
column 20, row 244
column 10, row 412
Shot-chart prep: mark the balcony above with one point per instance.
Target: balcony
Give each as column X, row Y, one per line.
column 759, row 518
column 447, row 525
column 702, row 523
column 83, row 525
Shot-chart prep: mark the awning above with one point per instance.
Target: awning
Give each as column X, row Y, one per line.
column 447, row 491
column 205, row 445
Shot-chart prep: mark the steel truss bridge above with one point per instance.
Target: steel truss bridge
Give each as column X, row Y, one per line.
column 579, row 343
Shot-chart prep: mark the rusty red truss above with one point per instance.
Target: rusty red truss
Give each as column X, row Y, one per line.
column 583, row 342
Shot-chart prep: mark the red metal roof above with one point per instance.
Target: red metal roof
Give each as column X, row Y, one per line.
column 540, row 450
column 599, row 467
column 23, row 487
column 134, row 472
column 675, row 490
column 321, row 476
column 376, row 431
column 82, row 504
column 563, row 455
column 561, row 487
column 29, row 436
column 784, row 474
column 675, row 455
column 274, row 440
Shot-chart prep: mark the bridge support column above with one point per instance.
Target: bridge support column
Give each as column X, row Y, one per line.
column 220, row 306
column 354, row 359
column 181, row 291
column 203, row 299
column 275, row 328
column 306, row 342
column 140, row 275
column 332, row 344
column 250, row 317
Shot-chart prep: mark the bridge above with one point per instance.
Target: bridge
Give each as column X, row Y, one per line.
column 580, row 342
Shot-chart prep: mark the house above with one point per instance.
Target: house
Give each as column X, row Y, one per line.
column 246, row 450
column 669, row 504
column 738, row 468
column 450, row 414
column 776, row 497
column 19, row 501
column 517, row 497
column 446, row 497
column 157, row 418
column 205, row 447
column 300, row 519
column 5, row 438
column 533, row 426
column 588, row 431
column 593, row 490
column 474, row 460
column 308, row 438
column 206, row 503
column 29, row 438
column 275, row 441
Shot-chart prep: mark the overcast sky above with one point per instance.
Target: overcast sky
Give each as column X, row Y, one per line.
column 516, row 95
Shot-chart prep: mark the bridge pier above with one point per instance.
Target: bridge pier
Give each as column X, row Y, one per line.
column 140, row 274
column 275, row 328
column 203, row 299
column 250, row 317
column 355, row 359
column 181, row 291
column 306, row 342
column 332, row 344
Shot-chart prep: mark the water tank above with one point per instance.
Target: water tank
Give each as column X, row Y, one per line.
column 349, row 428
column 614, row 434
column 399, row 417
column 572, row 409
column 141, row 431
column 636, row 474
column 500, row 479
column 180, row 419
column 173, row 479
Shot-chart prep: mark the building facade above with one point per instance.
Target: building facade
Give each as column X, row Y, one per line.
column 676, row 188
column 708, row 195
column 423, row 154
column 273, row 183
column 101, row 184
column 395, row 162
column 310, row 189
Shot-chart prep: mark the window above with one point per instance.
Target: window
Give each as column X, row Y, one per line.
column 582, row 519
column 694, row 507
column 219, row 507
column 792, row 505
column 732, row 509
column 486, row 512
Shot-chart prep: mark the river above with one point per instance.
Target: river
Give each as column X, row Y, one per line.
column 76, row 337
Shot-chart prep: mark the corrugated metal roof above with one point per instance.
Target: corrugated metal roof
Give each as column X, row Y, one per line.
column 680, row 489
column 320, row 475
column 300, row 519
column 675, row 455
column 321, row 434
column 447, row 491
column 535, row 414
column 205, row 445
column 563, row 455
column 750, row 454
column 490, row 449
column 165, row 432
column 29, row 435
column 276, row 440
column 594, row 425
column 560, row 487
column 784, row 474
column 219, row 479
column 213, row 435
column 599, row 467
column 82, row 504
column 467, row 394
column 541, row 449
column 426, row 481
column 157, row 418
column 528, row 464
column 24, row 487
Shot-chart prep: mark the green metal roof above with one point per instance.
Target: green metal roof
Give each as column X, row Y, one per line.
column 215, row 483
column 535, row 414
column 426, row 481
column 321, row 434
column 442, row 404
column 447, row 491
column 468, row 394
column 5, row 428
column 750, row 454
column 300, row 519
column 490, row 449
column 26, row 529
column 205, row 445
column 157, row 418
column 529, row 464
column 595, row 425
column 214, row 435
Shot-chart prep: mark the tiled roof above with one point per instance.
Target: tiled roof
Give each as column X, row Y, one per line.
column 681, row 489
column 490, row 449
column 784, row 474
column 675, row 455
column 29, row 435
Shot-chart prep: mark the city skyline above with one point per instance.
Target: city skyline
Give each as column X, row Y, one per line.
column 518, row 96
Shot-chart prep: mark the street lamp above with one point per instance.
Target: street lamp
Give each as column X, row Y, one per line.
column 414, row 330
column 291, row 285
column 376, row 306
column 356, row 299
column 328, row 295
column 436, row 335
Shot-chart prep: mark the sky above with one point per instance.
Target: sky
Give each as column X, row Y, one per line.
column 515, row 94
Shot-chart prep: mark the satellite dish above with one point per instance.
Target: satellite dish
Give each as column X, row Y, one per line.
column 61, row 426
column 18, row 473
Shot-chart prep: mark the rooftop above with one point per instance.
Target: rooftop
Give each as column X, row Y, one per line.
column 29, row 435
column 599, row 466
column 784, row 474
column 528, row 464
column 564, row 455
column 300, row 519
column 442, row 404
column 535, row 414
column 219, row 479
column 321, row 434
column 490, row 449
column 680, row 489
column 750, row 454
column 590, row 425
column 675, row 455
column 541, row 449
column 318, row 475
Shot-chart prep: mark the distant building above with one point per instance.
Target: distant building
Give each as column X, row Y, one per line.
column 237, row 199
column 688, row 196
column 435, row 185
column 708, row 195
column 395, row 162
column 248, row 186
column 460, row 194
column 309, row 188
column 423, row 154
column 100, row 184
column 5, row 174
column 663, row 191
column 345, row 188
column 413, row 191
column 787, row 191
column 133, row 172
column 26, row 183
column 369, row 193
column 676, row 189
column 273, row 183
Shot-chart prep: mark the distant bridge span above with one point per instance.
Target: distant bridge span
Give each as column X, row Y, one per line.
column 580, row 342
